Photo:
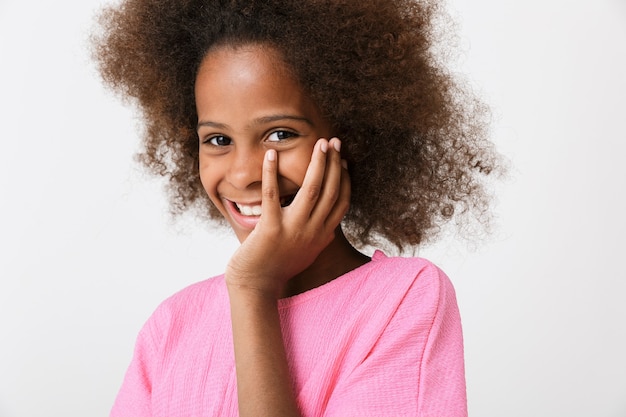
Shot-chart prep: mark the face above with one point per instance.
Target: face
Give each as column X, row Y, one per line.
column 248, row 103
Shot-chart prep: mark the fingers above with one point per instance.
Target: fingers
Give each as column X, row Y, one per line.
column 342, row 202
column 307, row 197
column 333, row 187
column 270, row 198
column 324, row 196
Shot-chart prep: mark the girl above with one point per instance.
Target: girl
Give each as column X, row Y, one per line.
column 309, row 127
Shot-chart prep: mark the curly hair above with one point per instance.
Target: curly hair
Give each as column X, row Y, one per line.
column 414, row 137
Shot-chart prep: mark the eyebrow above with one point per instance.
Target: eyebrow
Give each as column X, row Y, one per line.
column 259, row 121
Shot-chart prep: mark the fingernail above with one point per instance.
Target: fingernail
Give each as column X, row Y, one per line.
column 324, row 146
column 271, row 155
column 344, row 164
column 337, row 145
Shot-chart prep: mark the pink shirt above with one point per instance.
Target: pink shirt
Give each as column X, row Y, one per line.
column 382, row 340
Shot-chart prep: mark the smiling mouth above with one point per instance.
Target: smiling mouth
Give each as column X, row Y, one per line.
column 255, row 210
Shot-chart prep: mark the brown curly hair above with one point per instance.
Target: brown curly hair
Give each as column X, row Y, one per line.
column 414, row 137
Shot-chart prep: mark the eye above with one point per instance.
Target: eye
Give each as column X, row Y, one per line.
column 280, row 135
column 218, row 140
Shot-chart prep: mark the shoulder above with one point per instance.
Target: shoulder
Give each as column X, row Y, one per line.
column 195, row 295
column 418, row 285
column 419, row 273
column 187, row 305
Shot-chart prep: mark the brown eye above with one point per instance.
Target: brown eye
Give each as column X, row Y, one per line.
column 280, row 135
column 219, row 140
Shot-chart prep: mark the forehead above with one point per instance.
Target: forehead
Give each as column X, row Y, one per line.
column 245, row 64
column 247, row 79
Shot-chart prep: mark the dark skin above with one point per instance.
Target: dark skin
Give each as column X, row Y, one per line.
column 267, row 166
column 263, row 381
column 409, row 130
column 325, row 266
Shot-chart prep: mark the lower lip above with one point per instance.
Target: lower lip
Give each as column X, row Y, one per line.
column 247, row 222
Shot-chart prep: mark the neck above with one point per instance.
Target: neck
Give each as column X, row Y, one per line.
column 338, row 258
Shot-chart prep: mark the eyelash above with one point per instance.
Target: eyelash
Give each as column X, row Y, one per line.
column 212, row 140
column 289, row 134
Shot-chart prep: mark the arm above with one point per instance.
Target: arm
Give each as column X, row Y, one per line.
column 284, row 243
column 263, row 381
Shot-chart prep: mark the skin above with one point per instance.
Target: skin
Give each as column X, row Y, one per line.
column 262, row 143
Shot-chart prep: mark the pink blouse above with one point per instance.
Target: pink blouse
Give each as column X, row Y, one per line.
column 382, row 340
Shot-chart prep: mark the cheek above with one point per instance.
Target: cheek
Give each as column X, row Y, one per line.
column 210, row 185
column 207, row 177
column 293, row 165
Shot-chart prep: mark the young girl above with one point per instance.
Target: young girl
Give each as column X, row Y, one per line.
column 309, row 127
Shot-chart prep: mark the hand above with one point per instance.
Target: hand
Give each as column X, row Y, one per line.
column 288, row 240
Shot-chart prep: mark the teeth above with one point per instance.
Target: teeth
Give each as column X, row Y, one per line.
column 249, row 210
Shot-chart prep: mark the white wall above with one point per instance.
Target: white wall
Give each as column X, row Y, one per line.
column 87, row 252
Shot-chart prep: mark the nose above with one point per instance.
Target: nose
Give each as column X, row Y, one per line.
column 246, row 165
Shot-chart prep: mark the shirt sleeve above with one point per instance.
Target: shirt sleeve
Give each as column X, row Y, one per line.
column 442, row 390
column 134, row 396
column 416, row 366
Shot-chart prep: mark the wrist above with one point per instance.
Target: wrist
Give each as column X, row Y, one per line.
column 244, row 290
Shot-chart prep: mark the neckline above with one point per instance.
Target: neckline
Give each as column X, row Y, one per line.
column 318, row 291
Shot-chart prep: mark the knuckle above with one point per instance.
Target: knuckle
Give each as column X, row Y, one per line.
column 332, row 193
column 313, row 192
column 270, row 193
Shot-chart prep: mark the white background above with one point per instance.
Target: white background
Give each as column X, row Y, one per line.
column 88, row 251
